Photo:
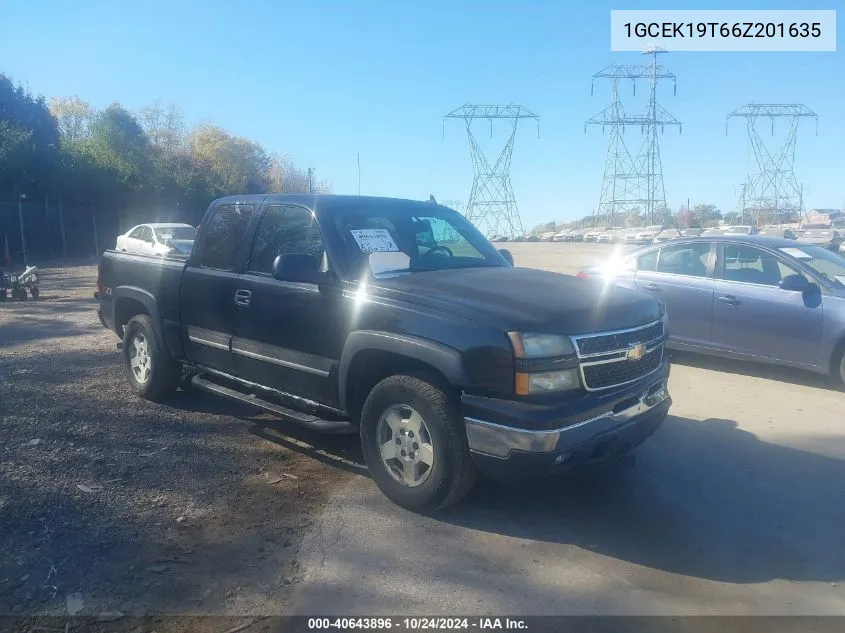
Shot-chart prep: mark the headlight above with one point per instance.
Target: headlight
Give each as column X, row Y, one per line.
column 541, row 382
column 540, row 345
column 536, row 356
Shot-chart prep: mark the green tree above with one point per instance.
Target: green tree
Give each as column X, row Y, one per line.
column 29, row 141
column 73, row 115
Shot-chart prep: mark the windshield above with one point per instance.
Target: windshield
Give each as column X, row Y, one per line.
column 165, row 234
column 438, row 239
column 829, row 265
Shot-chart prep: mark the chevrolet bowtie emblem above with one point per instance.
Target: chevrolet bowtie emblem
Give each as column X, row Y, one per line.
column 635, row 352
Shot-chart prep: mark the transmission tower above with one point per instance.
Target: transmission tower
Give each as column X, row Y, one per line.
column 633, row 183
column 772, row 193
column 492, row 206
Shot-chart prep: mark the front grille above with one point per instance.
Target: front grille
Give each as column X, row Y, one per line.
column 618, row 341
column 605, row 375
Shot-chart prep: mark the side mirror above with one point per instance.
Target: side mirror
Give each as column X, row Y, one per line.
column 794, row 283
column 299, row 267
column 507, row 255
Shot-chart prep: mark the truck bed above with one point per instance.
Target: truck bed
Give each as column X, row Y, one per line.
column 145, row 276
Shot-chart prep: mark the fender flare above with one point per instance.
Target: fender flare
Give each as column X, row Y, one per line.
column 145, row 298
column 445, row 359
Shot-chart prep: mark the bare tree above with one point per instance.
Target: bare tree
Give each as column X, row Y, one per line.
column 164, row 125
column 73, row 115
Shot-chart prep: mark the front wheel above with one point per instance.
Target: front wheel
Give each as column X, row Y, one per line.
column 152, row 373
column 415, row 444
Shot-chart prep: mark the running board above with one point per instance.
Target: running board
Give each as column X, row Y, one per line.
column 312, row 422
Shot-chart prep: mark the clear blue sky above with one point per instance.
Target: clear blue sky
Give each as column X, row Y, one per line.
column 322, row 81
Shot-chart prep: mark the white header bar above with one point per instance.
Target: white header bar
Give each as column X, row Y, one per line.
column 728, row 30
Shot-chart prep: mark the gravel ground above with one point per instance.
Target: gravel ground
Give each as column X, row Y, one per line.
column 109, row 503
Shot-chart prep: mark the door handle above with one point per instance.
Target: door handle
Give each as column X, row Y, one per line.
column 243, row 297
column 651, row 287
column 729, row 299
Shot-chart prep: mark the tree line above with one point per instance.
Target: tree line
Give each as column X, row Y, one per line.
column 65, row 164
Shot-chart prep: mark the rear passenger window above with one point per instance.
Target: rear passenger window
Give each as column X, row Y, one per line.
column 685, row 259
column 647, row 261
column 222, row 235
column 285, row 230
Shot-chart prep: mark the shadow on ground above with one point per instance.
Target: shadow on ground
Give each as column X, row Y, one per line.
column 706, row 500
column 754, row 369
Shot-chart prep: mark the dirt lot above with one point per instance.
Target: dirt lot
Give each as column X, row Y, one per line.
column 109, row 503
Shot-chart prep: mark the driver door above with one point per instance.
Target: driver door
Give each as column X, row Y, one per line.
column 753, row 316
column 288, row 335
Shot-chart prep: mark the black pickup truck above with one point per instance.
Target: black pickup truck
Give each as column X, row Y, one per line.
column 398, row 320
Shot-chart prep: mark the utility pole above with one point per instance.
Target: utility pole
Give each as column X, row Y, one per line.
column 633, row 181
column 310, row 180
column 772, row 192
column 492, row 205
column 359, row 174
column 21, row 198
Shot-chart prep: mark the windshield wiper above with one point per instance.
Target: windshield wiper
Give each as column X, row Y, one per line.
column 410, row 269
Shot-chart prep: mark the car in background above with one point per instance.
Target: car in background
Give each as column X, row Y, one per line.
column 518, row 238
column 547, row 236
column 740, row 229
column 711, row 232
column 532, row 238
column 830, row 239
column 746, row 297
column 593, row 234
column 158, row 238
column 647, row 234
column 577, row 235
column 560, row 236
column 629, row 235
column 610, row 235
column 667, row 234
column 778, row 231
column 692, row 231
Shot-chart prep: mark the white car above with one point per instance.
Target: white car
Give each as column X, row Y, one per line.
column 647, row 235
column 158, row 239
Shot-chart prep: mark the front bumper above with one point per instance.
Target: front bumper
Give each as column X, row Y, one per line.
column 508, row 452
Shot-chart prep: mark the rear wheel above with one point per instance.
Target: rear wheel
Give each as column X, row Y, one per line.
column 152, row 373
column 19, row 293
column 842, row 369
column 415, row 444
column 34, row 292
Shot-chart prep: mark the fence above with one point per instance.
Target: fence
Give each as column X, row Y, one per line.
column 52, row 229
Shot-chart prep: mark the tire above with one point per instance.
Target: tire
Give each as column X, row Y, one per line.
column 440, row 438
column 151, row 372
column 3, row 294
column 840, row 376
column 35, row 292
column 19, row 294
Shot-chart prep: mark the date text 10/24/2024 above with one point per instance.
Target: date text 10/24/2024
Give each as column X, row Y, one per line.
column 417, row 624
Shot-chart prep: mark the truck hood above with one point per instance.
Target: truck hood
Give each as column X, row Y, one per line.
column 523, row 299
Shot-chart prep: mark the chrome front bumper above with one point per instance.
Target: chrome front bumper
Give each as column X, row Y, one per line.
column 496, row 440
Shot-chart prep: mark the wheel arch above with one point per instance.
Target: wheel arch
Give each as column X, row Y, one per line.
column 130, row 301
column 370, row 356
column 836, row 358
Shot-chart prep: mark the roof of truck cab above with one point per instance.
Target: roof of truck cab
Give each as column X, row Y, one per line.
column 323, row 202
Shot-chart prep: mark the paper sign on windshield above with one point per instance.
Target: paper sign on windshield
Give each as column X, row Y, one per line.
column 374, row 240
column 796, row 252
